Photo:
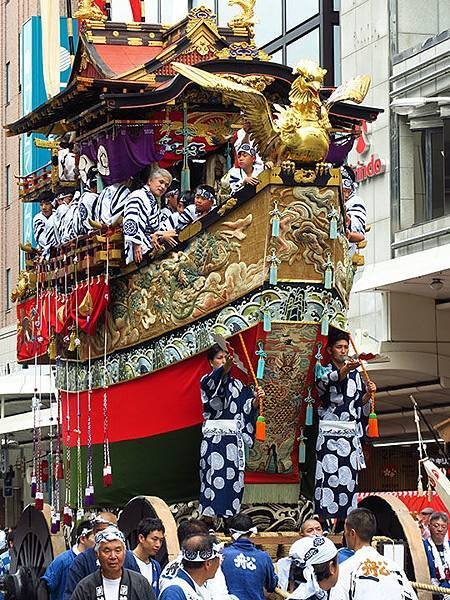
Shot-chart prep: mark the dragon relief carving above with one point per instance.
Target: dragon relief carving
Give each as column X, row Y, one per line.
column 185, row 286
column 304, row 226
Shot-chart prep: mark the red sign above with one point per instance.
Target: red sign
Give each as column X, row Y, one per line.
column 366, row 168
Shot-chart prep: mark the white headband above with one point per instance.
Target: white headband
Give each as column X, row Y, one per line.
column 202, row 555
column 307, row 552
column 236, row 534
column 110, row 534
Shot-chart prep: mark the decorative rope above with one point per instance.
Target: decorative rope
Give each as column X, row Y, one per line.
column 372, row 429
column 107, row 469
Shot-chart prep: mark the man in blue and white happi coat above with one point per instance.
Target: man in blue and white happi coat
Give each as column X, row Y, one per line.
column 248, row 571
column 141, row 225
column 343, row 417
column 229, row 412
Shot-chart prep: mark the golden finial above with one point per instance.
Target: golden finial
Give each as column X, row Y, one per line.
column 246, row 18
column 89, row 11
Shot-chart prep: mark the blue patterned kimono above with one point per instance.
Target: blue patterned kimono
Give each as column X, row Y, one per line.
column 343, row 418
column 229, row 426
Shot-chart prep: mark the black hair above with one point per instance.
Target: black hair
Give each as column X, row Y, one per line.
column 211, row 353
column 147, row 525
column 187, row 198
column 191, row 527
column 350, row 172
column 363, row 522
column 322, row 570
column 46, row 196
column 335, row 335
column 207, row 188
column 439, row 516
column 197, row 544
column 83, row 525
column 240, row 522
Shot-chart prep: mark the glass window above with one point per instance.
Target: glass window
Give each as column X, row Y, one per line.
column 173, row 12
column 428, row 175
column 337, row 55
column 277, row 56
column 152, row 11
column 208, row 3
column 269, row 25
column 305, row 47
column 8, row 185
column 8, row 82
column 298, row 11
column 8, row 289
column 226, row 12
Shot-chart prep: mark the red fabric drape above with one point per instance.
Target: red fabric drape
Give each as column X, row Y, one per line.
column 164, row 401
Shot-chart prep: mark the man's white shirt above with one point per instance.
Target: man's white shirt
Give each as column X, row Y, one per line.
column 111, row 588
column 368, row 575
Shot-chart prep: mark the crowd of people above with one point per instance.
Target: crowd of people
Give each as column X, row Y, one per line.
column 99, row 565
column 152, row 212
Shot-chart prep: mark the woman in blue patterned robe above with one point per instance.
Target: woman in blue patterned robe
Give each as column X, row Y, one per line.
column 343, row 417
column 229, row 412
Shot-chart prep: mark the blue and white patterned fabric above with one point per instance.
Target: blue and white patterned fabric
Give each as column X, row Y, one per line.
column 229, row 426
column 236, row 176
column 5, row 561
column 110, row 203
column 141, row 219
column 343, row 419
column 357, row 213
column 44, row 233
column 84, row 213
column 248, row 571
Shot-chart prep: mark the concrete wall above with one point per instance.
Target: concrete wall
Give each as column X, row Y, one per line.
column 417, row 21
column 365, row 49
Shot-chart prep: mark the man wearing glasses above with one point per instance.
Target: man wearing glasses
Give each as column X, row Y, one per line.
column 437, row 548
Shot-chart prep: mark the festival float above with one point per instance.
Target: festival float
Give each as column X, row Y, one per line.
column 268, row 271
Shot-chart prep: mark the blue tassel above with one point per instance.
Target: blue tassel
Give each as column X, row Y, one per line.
column 333, row 228
column 273, row 275
column 309, row 414
column 319, row 371
column 328, row 280
column 275, row 227
column 324, row 325
column 228, row 164
column 301, row 448
column 262, row 355
column 267, row 321
column 260, row 369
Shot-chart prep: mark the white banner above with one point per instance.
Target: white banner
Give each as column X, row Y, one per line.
column 50, row 46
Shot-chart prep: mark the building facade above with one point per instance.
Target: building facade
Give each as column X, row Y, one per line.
column 400, row 297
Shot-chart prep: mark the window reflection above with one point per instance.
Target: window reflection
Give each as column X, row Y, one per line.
column 269, row 24
column 305, row 47
column 297, row 12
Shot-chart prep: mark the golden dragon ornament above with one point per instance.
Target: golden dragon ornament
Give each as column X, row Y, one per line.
column 299, row 132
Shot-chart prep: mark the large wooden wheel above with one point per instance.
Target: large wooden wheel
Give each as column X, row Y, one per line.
column 395, row 521
column 150, row 506
column 34, row 549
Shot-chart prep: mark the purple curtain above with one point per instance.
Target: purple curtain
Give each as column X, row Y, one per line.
column 121, row 152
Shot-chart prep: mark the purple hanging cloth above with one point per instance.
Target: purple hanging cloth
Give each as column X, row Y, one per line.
column 121, row 152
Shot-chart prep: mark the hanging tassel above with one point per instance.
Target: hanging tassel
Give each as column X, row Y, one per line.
column 267, row 318
column 33, row 486
column 273, row 271
column 39, row 501
column 52, row 349
column 275, row 214
column 228, row 163
column 325, row 322
column 301, row 448
column 44, row 470
column 333, row 217
column 372, row 429
column 56, row 523
column 262, row 355
column 107, row 475
column 319, row 369
column 91, row 495
column 60, row 470
column 309, row 408
column 72, row 342
column 67, row 516
column 185, row 171
column 420, row 491
column 430, row 492
column 260, row 433
column 328, row 275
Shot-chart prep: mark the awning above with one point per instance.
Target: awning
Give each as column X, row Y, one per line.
column 24, row 381
column 408, row 274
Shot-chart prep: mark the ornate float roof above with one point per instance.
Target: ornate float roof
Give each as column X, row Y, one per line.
column 122, row 68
